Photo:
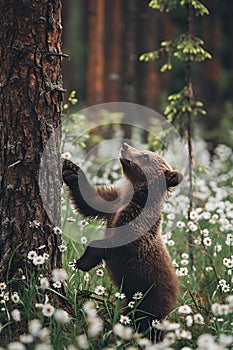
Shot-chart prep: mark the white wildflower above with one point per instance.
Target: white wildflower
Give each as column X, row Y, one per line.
column 44, row 334
column 34, row 224
column 15, row 297
column 184, row 262
column 83, row 341
column 83, row 240
column 61, row 316
column 100, row 272
column 66, row 155
column 100, row 290
column 59, row 275
column 209, row 268
column 228, row 262
column 183, row 334
column 2, row 285
column 86, row 277
column 62, row 248
column 31, row 254
column 226, row 288
column 38, row 260
column 26, row 338
column 89, row 308
column 225, row 339
column 131, row 304
column 222, row 282
column 16, row 315
column 48, row 310
column 122, row 331
column 155, row 323
column 46, row 256
column 193, row 215
column 57, row 230
column 95, row 327
column 229, row 299
column 229, row 239
column 184, row 309
column 138, row 295
column 125, row 319
column 34, row 327
column 57, row 284
column 207, row 241
column 167, row 326
column 189, row 320
column 44, row 283
column 119, row 295
column 180, row 224
column 205, row 341
column 16, row 346
column 198, row 319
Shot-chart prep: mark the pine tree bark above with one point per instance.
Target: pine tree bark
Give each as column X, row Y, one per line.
column 211, row 84
column 113, row 53
column 95, row 64
column 30, row 100
column 150, row 78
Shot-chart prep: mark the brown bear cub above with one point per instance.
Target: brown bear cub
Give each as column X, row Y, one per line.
column 136, row 257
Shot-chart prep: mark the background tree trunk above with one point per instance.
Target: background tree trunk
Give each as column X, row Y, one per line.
column 211, row 84
column 30, row 100
column 113, row 54
column 95, row 54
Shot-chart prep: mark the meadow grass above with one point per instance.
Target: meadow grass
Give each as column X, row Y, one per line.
column 202, row 318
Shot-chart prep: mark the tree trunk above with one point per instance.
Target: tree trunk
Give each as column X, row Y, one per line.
column 149, row 86
column 74, row 44
column 95, row 65
column 113, row 53
column 211, row 84
column 30, row 99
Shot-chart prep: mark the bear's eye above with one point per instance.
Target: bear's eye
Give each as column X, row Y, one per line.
column 145, row 158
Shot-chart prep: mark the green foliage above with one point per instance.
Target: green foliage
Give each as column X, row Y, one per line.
column 181, row 106
column 170, row 5
column 185, row 47
column 164, row 5
column 189, row 48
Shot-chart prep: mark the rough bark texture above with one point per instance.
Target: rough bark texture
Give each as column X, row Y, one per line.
column 30, row 98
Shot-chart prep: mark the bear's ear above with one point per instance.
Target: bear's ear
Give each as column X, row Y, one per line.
column 173, row 178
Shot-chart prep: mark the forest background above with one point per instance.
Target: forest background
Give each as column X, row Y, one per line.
column 105, row 39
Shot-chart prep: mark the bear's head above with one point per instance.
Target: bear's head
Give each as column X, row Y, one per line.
column 147, row 169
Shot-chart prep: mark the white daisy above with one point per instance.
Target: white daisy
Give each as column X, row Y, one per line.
column 100, row 290
column 61, row 316
column 31, row 254
column 38, row 260
column 125, row 320
column 57, row 230
column 48, row 310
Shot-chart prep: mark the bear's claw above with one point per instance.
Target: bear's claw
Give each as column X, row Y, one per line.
column 69, row 171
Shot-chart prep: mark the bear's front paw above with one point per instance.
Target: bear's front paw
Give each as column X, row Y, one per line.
column 88, row 260
column 69, row 171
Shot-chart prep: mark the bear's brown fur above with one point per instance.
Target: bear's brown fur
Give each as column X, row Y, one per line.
column 136, row 257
